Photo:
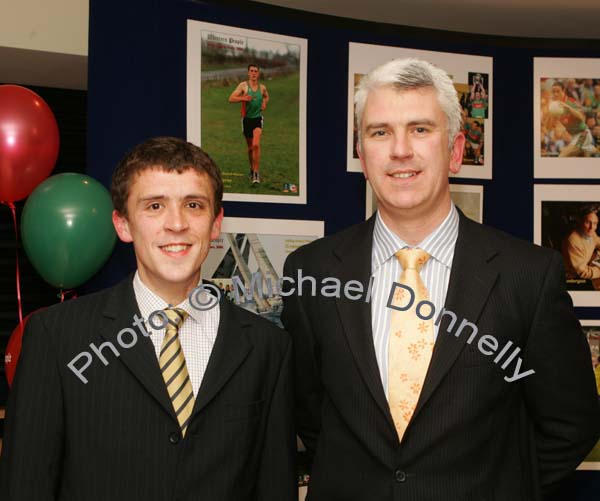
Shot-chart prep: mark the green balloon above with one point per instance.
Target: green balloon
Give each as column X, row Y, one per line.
column 67, row 229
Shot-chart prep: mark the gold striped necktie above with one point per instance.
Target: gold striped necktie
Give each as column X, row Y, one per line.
column 174, row 369
column 410, row 341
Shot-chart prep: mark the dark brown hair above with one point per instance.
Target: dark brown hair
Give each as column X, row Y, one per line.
column 165, row 153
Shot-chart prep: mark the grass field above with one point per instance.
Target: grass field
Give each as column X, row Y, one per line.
column 222, row 137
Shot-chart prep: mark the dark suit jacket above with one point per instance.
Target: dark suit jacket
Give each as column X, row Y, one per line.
column 473, row 436
column 117, row 437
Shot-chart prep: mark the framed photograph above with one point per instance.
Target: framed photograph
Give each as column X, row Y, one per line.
column 566, row 219
column 467, row 197
column 566, row 117
column 246, row 107
column 472, row 76
column 591, row 328
column 246, row 261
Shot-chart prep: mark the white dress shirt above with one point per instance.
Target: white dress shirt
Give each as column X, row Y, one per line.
column 197, row 334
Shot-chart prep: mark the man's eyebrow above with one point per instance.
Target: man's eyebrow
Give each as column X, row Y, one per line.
column 376, row 125
column 194, row 196
column 422, row 121
column 147, row 198
column 412, row 123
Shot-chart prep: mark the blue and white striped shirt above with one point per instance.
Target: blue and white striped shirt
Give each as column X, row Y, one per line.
column 386, row 269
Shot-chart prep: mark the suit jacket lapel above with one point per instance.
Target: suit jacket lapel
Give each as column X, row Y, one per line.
column 355, row 264
column 230, row 349
column 232, row 346
column 140, row 359
column 471, row 281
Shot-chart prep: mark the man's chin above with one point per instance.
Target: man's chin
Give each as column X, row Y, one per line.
column 180, row 278
column 405, row 204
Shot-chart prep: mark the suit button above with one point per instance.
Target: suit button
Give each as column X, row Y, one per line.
column 400, row 476
column 174, row 438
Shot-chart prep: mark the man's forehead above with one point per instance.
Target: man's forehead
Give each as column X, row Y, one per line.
column 422, row 112
column 154, row 170
column 421, row 91
column 154, row 177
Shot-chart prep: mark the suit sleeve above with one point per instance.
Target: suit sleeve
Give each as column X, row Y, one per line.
column 561, row 396
column 30, row 464
column 278, row 477
column 307, row 379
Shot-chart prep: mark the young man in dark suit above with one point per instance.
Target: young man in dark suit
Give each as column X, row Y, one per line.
column 120, row 395
column 456, row 369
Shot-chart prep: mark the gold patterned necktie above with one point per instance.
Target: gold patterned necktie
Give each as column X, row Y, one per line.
column 174, row 369
column 410, row 340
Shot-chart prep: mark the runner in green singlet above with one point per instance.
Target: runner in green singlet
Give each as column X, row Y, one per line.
column 254, row 98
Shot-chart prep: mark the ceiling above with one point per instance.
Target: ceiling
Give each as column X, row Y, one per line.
column 516, row 18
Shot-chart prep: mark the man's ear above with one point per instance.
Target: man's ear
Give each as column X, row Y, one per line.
column 456, row 154
column 362, row 160
column 121, row 227
column 216, row 225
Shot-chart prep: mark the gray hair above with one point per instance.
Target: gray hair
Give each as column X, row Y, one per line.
column 410, row 74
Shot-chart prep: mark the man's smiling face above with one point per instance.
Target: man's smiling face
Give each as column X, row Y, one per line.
column 170, row 220
column 405, row 153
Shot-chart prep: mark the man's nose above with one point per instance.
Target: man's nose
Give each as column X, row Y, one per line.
column 401, row 145
column 175, row 219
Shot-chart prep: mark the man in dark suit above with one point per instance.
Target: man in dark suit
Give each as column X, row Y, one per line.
column 475, row 385
column 119, row 395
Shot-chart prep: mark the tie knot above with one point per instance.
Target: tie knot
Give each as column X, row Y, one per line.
column 412, row 258
column 176, row 316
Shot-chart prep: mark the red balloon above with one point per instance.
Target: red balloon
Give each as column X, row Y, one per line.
column 13, row 349
column 28, row 142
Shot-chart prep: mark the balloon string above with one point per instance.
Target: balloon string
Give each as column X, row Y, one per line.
column 63, row 294
column 18, row 277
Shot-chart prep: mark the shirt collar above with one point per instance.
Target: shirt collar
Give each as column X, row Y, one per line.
column 150, row 302
column 439, row 244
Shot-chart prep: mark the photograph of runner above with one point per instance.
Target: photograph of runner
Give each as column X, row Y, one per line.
column 246, row 106
column 254, row 98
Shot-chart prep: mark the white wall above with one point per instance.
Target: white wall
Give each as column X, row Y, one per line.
column 44, row 42
column 45, row 25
